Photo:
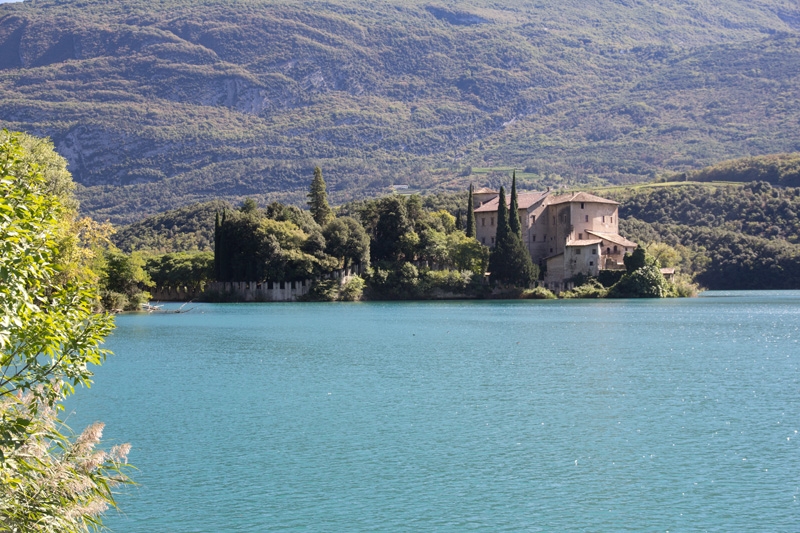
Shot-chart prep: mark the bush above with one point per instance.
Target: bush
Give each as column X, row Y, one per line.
column 590, row 289
column 450, row 281
column 323, row 290
column 539, row 293
column 352, row 290
column 646, row 282
column 685, row 287
column 607, row 278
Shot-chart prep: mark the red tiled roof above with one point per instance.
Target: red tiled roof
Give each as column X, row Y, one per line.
column 581, row 197
column 524, row 200
column 613, row 237
column 584, row 242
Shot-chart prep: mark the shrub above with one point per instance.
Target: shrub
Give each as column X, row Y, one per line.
column 590, row 289
column 352, row 290
column 645, row 282
column 539, row 293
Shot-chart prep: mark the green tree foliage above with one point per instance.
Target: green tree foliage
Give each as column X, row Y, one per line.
column 318, row 199
column 776, row 169
column 643, row 279
column 466, row 253
column 471, row 230
column 123, row 280
column 187, row 229
column 514, row 224
column 728, row 237
column 249, row 206
column 645, row 282
column 49, row 337
column 347, row 240
column 192, row 270
column 635, row 260
column 509, row 262
column 252, row 246
column 590, row 289
column 393, row 235
column 502, row 217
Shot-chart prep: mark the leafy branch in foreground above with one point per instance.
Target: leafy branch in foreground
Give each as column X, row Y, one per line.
column 49, row 335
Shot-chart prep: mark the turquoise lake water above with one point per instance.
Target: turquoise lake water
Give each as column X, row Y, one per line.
column 668, row 415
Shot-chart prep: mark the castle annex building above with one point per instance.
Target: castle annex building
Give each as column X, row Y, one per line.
column 567, row 234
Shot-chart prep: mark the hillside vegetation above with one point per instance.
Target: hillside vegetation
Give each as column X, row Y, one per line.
column 158, row 105
column 729, row 236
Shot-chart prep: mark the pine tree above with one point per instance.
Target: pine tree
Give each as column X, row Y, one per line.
column 318, row 199
column 459, row 220
column 513, row 213
column 471, row 229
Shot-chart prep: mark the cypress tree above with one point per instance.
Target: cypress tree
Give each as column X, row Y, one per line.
column 224, row 263
column 510, row 261
column 513, row 213
column 216, row 248
column 318, row 199
column 502, row 218
column 459, row 220
column 471, row 229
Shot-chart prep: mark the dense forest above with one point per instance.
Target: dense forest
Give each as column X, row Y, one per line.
column 160, row 105
column 730, row 236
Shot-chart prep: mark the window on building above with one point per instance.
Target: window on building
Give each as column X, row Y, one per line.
column 580, row 236
column 608, row 251
column 492, row 240
column 483, row 221
column 577, row 251
column 554, row 220
column 551, row 250
column 591, row 263
column 492, row 222
column 581, row 205
column 594, row 251
column 483, row 240
column 533, row 238
column 587, row 218
column 615, row 248
column 604, row 219
column 533, row 219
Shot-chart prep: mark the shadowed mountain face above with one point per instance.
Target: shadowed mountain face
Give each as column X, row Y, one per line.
column 159, row 105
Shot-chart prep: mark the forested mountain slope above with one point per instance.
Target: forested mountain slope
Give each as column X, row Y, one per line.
column 159, row 104
column 733, row 236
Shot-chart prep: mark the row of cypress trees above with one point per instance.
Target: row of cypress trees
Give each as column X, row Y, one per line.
column 509, row 262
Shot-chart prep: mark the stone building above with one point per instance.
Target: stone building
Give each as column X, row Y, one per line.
column 566, row 234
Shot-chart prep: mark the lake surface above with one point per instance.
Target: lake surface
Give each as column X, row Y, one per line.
column 668, row 415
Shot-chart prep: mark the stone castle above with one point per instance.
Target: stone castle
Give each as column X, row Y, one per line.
column 567, row 234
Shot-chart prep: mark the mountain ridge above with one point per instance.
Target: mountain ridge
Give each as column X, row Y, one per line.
column 160, row 105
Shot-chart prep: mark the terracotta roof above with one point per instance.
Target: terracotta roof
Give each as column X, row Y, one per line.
column 613, row 237
column 581, row 197
column 485, row 190
column 584, row 242
column 668, row 271
column 524, row 200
